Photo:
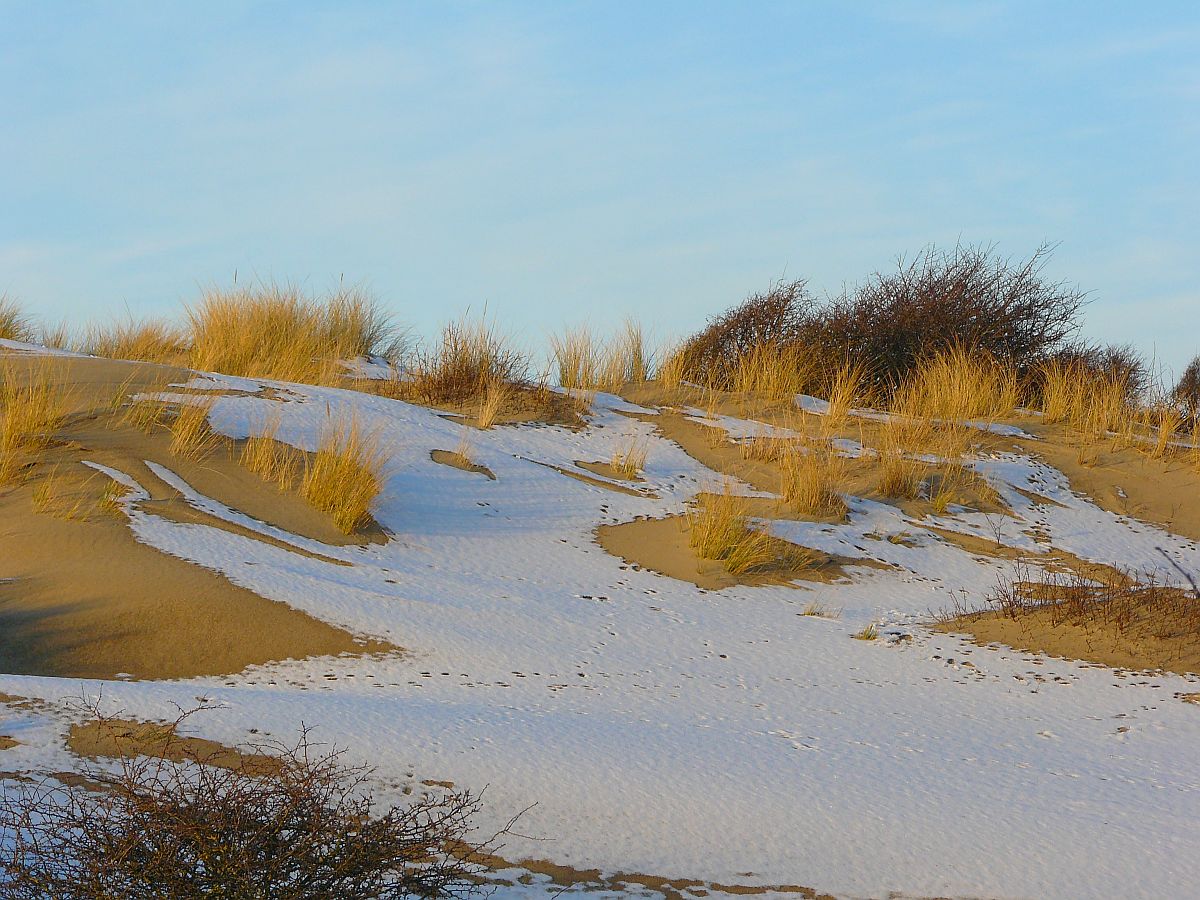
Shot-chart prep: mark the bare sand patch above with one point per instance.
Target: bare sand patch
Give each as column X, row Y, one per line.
column 457, row 460
column 80, row 597
column 120, row 738
column 662, row 546
column 607, row 470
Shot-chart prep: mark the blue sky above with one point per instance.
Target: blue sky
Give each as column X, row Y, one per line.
column 562, row 162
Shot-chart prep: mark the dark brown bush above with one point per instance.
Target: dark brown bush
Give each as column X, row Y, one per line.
column 169, row 825
column 1187, row 390
column 964, row 297
column 775, row 319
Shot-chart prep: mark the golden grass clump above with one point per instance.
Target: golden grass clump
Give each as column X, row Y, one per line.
column 276, row 331
column 812, row 482
column 628, row 461
column 148, row 340
column 585, row 364
column 843, row 392
column 470, row 355
column 868, row 633
column 1166, row 418
column 900, row 476
column 770, row 371
column 959, row 384
column 271, row 459
column 496, row 397
column 1092, row 403
column 191, row 436
column 15, row 325
column 575, row 358
column 720, row 530
column 345, row 475
column 31, row 410
column 672, row 366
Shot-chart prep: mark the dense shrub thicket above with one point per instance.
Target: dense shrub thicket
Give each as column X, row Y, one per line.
column 964, row 297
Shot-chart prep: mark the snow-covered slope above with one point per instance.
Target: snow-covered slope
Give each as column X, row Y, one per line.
column 660, row 729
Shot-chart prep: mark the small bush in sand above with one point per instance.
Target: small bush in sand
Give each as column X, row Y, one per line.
column 470, row 355
column 191, row 436
column 148, row 340
column 812, row 482
column 281, row 820
column 15, row 324
column 271, row 459
column 31, row 409
column 345, row 475
column 629, row 460
column 869, row 633
column 277, row 331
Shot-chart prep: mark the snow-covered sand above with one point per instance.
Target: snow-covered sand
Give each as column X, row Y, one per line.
column 659, row 729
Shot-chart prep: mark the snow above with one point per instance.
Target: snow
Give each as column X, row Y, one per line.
column 661, row 729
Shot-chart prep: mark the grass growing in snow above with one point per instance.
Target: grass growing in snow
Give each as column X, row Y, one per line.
column 345, row 475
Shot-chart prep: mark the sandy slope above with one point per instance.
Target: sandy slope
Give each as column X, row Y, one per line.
column 720, row 735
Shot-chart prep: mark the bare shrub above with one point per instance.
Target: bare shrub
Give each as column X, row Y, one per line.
column 1187, row 390
column 966, row 297
column 287, row 820
column 470, row 355
column 773, row 320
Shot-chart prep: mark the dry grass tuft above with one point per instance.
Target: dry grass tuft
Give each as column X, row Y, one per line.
column 820, row 610
column 149, row 340
column 672, row 366
column 900, row 475
column 276, row 331
column 959, row 384
column 31, row 410
column 1094, row 403
column 15, row 325
column 271, row 459
column 769, row 371
column 628, row 461
column 719, row 529
column 191, row 437
column 470, row 355
column 496, row 397
column 583, row 363
column 869, row 633
column 345, row 475
column 812, row 481
column 844, row 390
